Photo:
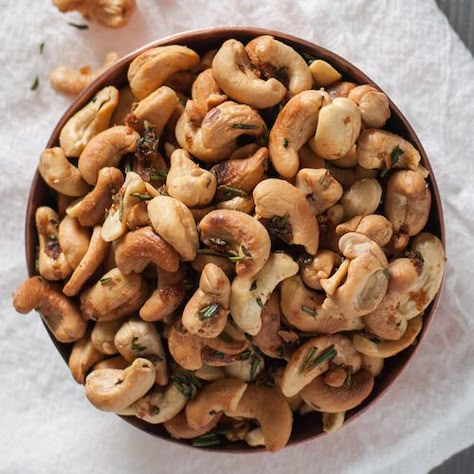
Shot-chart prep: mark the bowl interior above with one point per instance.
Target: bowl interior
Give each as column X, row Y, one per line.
column 309, row 426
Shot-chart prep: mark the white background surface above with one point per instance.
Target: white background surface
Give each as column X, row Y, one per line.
column 408, row 48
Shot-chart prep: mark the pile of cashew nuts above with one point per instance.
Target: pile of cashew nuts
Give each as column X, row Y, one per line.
column 235, row 241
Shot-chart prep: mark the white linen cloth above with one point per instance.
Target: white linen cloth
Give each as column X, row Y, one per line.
column 409, row 49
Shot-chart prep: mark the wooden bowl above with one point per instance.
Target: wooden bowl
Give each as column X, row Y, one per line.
column 308, row 427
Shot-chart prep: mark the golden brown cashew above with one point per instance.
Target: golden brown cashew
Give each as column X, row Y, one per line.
column 179, row 428
column 93, row 258
column 157, row 109
column 226, row 122
column 206, row 312
column 319, row 267
column 347, row 161
column 362, row 198
column 91, row 209
column 205, row 90
column 169, row 294
column 110, row 13
column 291, row 217
column 240, row 235
column 138, row 216
column 386, row 321
column 188, row 182
column 114, row 390
column 340, row 89
column 407, row 202
column 250, row 293
column 61, row 175
column 52, row 262
column 218, row 396
column 113, row 296
column 308, row 159
column 184, row 347
column 266, row 51
column 88, row 122
column 124, row 107
column 338, row 128
column 268, row 406
column 376, row 149
column 387, row 349
column 373, row 105
column 73, row 240
column 103, row 335
column 106, row 149
column 115, row 362
column 246, row 370
column 137, row 338
column 72, row 81
column 152, row 68
column 329, row 399
column 206, row 372
column 373, row 364
column 241, row 174
column 83, row 356
column 230, row 341
column 348, row 176
column 323, row 73
column 232, row 71
column 320, row 188
column 137, row 249
column 314, row 358
column 173, row 221
column 295, row 124
column 376, row 227
column 60, row 314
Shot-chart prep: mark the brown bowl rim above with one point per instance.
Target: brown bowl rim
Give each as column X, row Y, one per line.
column 221, row 34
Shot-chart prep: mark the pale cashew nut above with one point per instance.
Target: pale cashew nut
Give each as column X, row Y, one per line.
column 179, row 428
column 218, row 396
column 238, row 203
column 90, row 262
column 206, row 372
column 319, row 267
column 206, row 312
column 245, row 369
column 115, row 295
column 91, row 209
column 61, row 175
column 232, row 71
column 60, row 314
column 52, row 262
column 321, row 190
column 250, row 293
column 338, row 128
column 115, row 390
column 268, row 406
column 376, row 227
column 226, row 122
column 294, row 125
column 88, row 122
column 407, row 202
column 188, row 182
column 376, row 149
column 240, row 235
column 290, row 215
column 333, row 422
column 205, row 90
column 148, row 71
column 266, row 50
column 173, row 221
column 73, row 240
column 362, row 198
column 230, row 341
column 103, row 336
column 347, row 161
column 83, row 356
column 323, row 73
column 184, row 347
column 340, row 89
column 137, row 338
column 72, row 81
column 373, row 364
column 373, row 105
column 115, row 362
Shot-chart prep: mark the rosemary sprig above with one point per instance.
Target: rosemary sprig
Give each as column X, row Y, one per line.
column 245, row 251
column 308, row 310
column 104, row 281
column 217, row 241
column 230, row 191
column 157, row 175
column 186, row 383
column 254, row 368
column 394, row 157
column 209, row 311
column 142, row 197
column 285, row 143
column 386, row 273
column 244, row 126
column 120, row 207
column 311, row 362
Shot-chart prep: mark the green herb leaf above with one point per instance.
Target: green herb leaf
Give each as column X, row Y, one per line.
column 142, row 197
column 394, row 157
column 209, row 311
column 186, row 383
column 135, row 346
column 386, row 273
column 202, row 442
column 312, row 362
column 244, row 126
column 104, row 281
column 245, row 251
column 245, row 355
column 128, row 166
column 324, row 181
column 285, row 143
column 308, row 310
column 260, row 302
column 157, row 175
column 35, row 83
column 230, row 191
column 78, row 26
column 253, row 286
column 254, row 367
column 41, row 47
column 235, row 258
column 120, row 208
column 217, row 241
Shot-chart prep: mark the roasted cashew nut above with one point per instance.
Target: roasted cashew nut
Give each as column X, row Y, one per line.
column 376, row 227
column 373, row 364
column 238, row 203
column 205, row 90
column 188, row 182
column 266, row 51
column 340, row 89
column 373, row 105
column 138, row 216
column 230, row 341
column 362, row 198
column 52, row 262
column 206, row 312
column 115, row 362
column 179, row 428
column 323, row 73
column 240, row 234
column 137, row 338
column 338, row 128
column 88, row 122
column 115, row 295
column 246, row 370
column 291, row 217
column 250, row 293
column 60, row 314
column 318, row 268
column 321, row 190
column 103, row 336
column 173, row 221
column 83, row 356
column 407, row 202
column 294, row 125
column 61, row 175
column 149, row 71
column 106, row 149
column 73, row 239
column 232, row 72
column 223, row 263
column 114, row 390
column 184, row 347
